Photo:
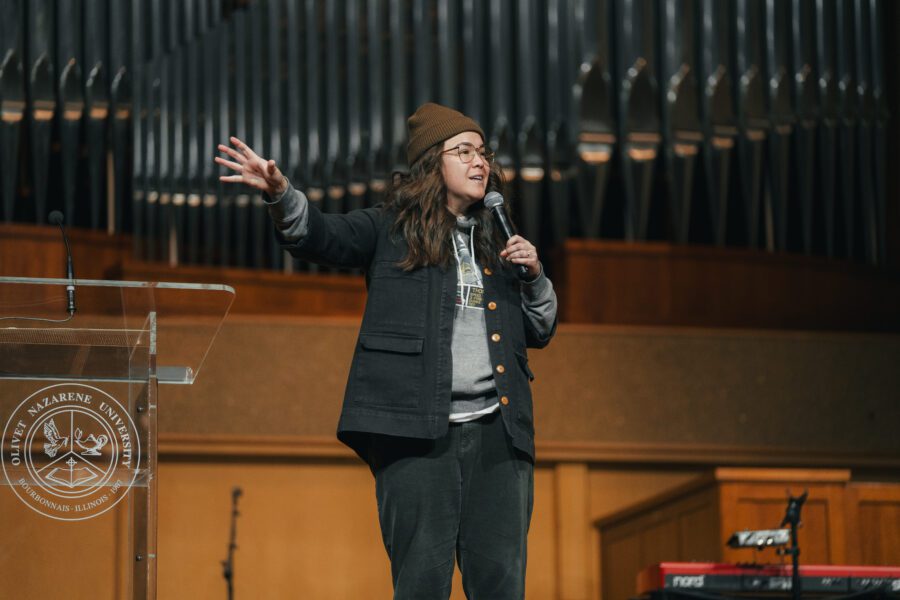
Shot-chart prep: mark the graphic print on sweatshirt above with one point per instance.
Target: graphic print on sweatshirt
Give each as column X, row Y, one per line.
column 470, row 287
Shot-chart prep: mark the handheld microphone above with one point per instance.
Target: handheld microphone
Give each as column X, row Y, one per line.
column 56, row 218
column 494, row 202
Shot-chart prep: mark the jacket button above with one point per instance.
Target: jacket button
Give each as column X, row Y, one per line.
column 487, row 271
column 492, row 305
column 501, row 368
column 495, row 337
column 504, row 400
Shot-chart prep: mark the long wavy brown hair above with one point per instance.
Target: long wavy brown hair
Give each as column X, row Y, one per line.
column 419, row 201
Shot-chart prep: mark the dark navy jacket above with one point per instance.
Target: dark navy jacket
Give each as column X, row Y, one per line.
column 401, row 374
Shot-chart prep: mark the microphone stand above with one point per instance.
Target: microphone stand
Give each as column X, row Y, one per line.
column 228, row 564
column 792, row 518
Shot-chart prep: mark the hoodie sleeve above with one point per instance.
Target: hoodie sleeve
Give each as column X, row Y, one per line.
column 539, row 305
column 290, row 213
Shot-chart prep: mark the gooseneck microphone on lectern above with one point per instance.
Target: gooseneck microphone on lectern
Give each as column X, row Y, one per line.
column 57, row 218
column 494, row 202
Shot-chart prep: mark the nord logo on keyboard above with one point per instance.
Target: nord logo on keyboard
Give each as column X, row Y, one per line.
column 688, row 581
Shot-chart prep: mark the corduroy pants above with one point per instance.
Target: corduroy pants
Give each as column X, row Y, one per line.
column 467, row 496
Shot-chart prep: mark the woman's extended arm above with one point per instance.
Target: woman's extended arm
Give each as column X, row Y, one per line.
column 344, row 240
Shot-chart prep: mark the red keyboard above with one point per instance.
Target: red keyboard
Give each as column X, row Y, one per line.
column 724, row 578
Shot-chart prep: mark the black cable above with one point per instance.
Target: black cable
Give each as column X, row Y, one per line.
column 41, row 319
column 57, row 218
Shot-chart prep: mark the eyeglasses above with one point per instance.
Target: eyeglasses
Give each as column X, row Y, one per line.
column 466, row 152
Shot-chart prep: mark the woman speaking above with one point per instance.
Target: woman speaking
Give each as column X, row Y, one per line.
column 438, row 399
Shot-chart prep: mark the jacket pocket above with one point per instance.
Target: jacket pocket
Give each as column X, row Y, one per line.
column 523, row 362
column 390, row 343
column 388, row 370
column 396, row 301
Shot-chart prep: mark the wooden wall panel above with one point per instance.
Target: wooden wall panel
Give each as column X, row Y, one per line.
column 34, row 251
column 310, row 527
column 879, row 533
column 266, row 292
column 609, row 282
column 572, row 520
column 633, row 410
column 663, row 284
column 613, row 489
column 873, row 523
column 307, row 529
column 686, row 523
column 697, row 538
column 757, row 499
column 543, row 538
column 621, row 555
column 821, row 536
column 611, row 394
column 842, row 522
column 43, row 558
column 788, row 393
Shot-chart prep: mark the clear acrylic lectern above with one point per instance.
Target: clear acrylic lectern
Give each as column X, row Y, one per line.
column 78, row 414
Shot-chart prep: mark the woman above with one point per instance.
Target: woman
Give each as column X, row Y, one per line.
column 438, row 401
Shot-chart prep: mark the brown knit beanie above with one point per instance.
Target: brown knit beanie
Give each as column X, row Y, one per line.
column 433, row 123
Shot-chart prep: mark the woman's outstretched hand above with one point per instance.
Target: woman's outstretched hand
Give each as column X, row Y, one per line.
column 251, row 169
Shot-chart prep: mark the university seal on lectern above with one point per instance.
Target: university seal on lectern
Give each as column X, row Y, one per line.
column 70, row 451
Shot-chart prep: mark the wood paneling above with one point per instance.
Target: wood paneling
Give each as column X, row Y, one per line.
column 622, row 414
column 197, row 446
column 842, row 523
column 572, row 554
column 665, row 284
column 308, row 526
column 614, row 489
column 266, row 292
column 822, row 535
column 544, row 540
column 44, row 558
column 873, row 523
column 38, row 251
column 605, row 282
column 603, row 394
column 757, row 498
column 307, row 529
column 685, row 524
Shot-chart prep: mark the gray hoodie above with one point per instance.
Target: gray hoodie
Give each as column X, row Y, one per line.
column 473, row 391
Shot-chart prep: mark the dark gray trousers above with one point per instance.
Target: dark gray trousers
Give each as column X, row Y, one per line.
column 468, row 495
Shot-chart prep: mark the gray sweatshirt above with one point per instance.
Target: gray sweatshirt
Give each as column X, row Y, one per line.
column 473, row 392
